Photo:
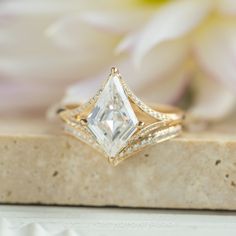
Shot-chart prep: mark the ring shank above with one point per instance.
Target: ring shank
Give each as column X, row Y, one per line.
column 168, row 110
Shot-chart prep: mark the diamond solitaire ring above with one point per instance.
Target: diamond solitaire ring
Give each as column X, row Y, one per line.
column 117, row 123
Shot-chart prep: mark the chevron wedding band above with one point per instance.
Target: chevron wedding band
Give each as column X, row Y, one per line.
column 117, row 123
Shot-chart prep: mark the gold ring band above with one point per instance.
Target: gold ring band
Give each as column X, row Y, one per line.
column 117, row 123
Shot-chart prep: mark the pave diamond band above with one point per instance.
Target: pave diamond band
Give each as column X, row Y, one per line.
column 117, row 123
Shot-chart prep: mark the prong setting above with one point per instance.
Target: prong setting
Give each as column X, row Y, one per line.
column 114, row 70
column 108, row 123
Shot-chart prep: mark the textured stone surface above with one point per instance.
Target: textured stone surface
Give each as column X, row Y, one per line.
column 38, row 164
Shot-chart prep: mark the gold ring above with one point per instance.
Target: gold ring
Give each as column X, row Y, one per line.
column 117, row 123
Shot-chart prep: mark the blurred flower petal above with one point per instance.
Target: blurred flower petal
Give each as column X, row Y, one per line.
column 172, row 21
column 48, row 70
column 158, row 66
column 45, row 61
column 46, row 45
column 27, row 98
column 117, row 21
column 82, row 91
column 213, row 101
column 23, row 7
column 127, row 43
column 227, row 7
column 31, row 41
column 149, row 91
column 92, row 47
column 169, row 90
column 215, row 51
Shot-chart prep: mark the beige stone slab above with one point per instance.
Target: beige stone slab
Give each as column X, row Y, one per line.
column 39, row 164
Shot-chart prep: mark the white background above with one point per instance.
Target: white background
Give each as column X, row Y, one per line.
column 73, row 221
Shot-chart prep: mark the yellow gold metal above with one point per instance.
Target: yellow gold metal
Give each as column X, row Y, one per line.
column 156, row 123
column 141, row 124
column 83, row 121
column 114, row 70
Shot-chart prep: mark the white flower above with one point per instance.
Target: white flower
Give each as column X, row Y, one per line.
column 162, row 48
column 179, row 41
